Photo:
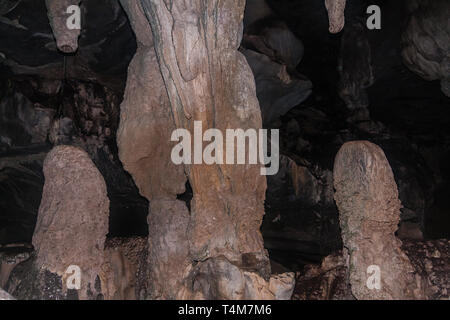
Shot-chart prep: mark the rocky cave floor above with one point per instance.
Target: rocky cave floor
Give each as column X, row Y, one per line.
column 319, row 89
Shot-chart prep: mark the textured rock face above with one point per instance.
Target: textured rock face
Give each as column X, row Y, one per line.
column 227, row 206
column 430, row 260
column 329, row 280
column 124, row 266
column 73, row 217
column 222, row 226
column 5, row 295
column 369, row 212
column 66, row 39
column 426, row 41
column 8, row 261
column 146, row 125
column 336, row 14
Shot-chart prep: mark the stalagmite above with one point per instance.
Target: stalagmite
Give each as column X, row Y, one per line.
column 336, row 14
column 70, row 232
column 369, row 209
column 59, row 14
column 207, row 80
column 146, row 125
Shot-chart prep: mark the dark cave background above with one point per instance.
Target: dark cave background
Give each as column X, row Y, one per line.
column 47, row 98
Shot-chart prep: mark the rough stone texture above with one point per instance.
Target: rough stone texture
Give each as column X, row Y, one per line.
column 430, row 260
column 329, row 280
column 66, row 39
column 218, row 278
column 5, row 295
column 146, row 125
column 146, row 122
column 336, row 14
column 73, row 217
column 169, row 260
column 227, row 206
column 369, row 212
column 124, row 260
column 10, row 257
column 426, row 41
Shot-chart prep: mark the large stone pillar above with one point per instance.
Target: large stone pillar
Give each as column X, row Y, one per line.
column 146, row 125
column 369, row 213
column 208, row 80
column 70, row 232
column 195, row 254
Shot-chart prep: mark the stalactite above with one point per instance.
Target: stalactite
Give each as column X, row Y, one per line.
column 66, row 39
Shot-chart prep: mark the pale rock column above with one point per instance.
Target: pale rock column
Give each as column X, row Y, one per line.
column 369, row 213
column 207, row 80
column 143, row 138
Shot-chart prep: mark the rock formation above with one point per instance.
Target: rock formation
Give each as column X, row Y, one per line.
column 146, row 125
column 336, row 14
column 71, row 230
column 124, row 268
column 426, row 41
column 329, row 280
column 273, row 53
column 207, row 80
column 66, row 39
column 369, row 212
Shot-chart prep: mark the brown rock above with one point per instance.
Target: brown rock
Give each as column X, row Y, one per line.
column 73, row 217
column 146, row 126
column 124, row 260
column 369, row 209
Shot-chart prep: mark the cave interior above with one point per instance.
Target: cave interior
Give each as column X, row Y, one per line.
column 319, row 89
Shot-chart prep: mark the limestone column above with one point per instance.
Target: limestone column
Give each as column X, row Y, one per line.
column 369, row 213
